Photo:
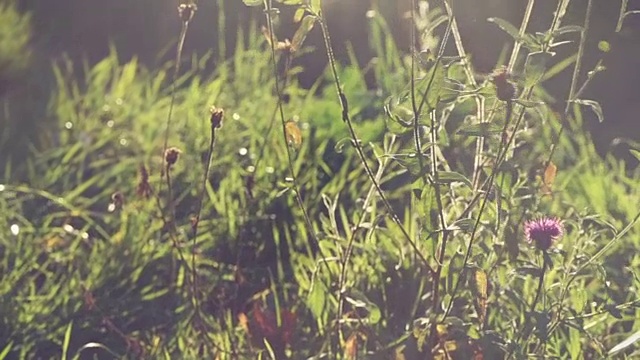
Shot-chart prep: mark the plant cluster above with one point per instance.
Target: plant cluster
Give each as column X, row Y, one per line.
column 431, row 212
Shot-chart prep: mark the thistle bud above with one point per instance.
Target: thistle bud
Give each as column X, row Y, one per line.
column 505, row 89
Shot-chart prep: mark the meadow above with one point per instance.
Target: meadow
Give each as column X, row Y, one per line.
column 407, row 208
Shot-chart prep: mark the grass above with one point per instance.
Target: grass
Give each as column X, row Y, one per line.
column 357, row 219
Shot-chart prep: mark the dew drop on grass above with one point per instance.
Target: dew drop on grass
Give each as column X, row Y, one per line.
column 251, row 168
column 243, row 151
column 119, row 101
column 269, row 170
column 124, row 142
column 2, row 187
column 235, row 116
column 15, row 229
column 110, row 123
column 68, row 125
column 68, row 228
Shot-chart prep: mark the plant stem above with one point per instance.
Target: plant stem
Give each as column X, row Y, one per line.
column 354, row 138
column 296, row 186
column 574, row 81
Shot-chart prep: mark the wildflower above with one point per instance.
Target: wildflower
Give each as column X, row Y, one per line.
column 171, row 155
column 543, row 232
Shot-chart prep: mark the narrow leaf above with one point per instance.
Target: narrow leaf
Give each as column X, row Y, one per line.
column 594, row 105
column 625, row 344
column 447, row 177
column 252, row 2
column 480, row 130
column 301, row 34
column 511, row 30
column 6, row 350
column 67, row 340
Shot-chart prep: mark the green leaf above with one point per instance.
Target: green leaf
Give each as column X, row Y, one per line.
column 527, row 40
column 535, row 67
column 359, row 300
column 253, row 2
column 447, row 177
column 567, row 29
column 431, row 85
column 625, row 344
column 301, row 34
column 594, row 105
column 480, row 130
column 463, row 225
column 6, row 350
column 399, row 117
column 635, row 153
column 298, row 15
column 67, row 340
column 315, row 6
column 427, row 207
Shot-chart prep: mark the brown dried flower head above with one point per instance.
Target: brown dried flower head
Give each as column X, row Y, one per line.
column 171, row 155
column 186, row 11
column 217, row 114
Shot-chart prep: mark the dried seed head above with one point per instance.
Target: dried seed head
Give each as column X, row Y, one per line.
column 171, row 155
column 117, row 201
column 186, row 11
column 216, row 117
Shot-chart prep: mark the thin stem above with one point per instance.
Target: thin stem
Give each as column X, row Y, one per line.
column 574, row 81
column 296, row 187
column 541, row 280
column 352, row 238
column 502, row 153
column 354, row 138
column 523, row 29
column 623, row 10
column 196, row 220
column 176, row 71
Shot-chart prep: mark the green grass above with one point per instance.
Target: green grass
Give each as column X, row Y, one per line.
column 328, row 247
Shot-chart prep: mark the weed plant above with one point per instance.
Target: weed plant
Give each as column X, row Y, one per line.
column 429, row 213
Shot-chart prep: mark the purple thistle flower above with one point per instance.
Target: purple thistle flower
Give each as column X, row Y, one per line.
column 543, row 231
